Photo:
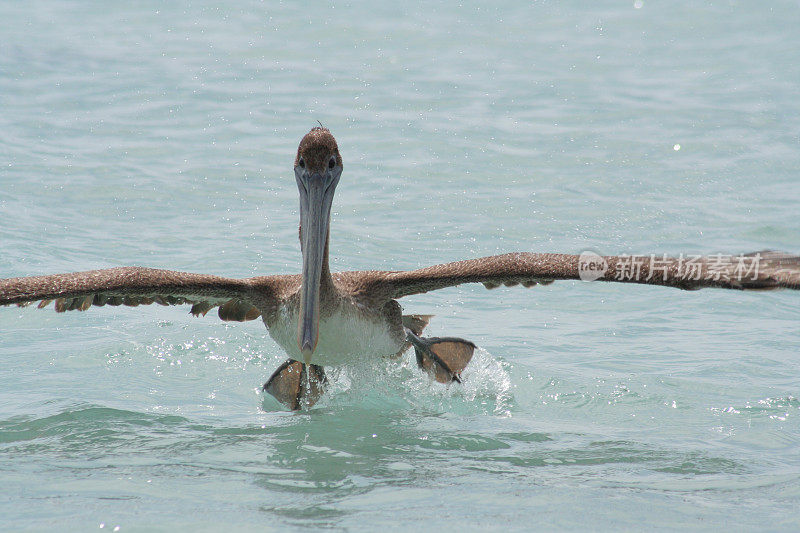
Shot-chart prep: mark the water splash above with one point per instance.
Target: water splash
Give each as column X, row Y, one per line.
column 397, row 383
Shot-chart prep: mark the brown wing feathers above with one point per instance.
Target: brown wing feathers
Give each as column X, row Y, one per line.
column 133, row 286
column 246, row 299
column 760, row 270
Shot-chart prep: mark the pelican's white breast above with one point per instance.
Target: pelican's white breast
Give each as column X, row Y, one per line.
column 347, row 335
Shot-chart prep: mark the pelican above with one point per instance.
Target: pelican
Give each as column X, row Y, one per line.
column 323, row 319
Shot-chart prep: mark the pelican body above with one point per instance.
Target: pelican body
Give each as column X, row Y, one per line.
column 322, row 319
column 347, row 331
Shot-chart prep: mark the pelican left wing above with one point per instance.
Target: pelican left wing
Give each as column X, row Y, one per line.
column 759, row 270
column 237, row 299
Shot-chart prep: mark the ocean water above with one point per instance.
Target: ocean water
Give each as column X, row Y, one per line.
column 163, row 135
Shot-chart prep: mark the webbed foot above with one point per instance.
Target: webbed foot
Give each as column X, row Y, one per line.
column 297, row 385
column 442, row 357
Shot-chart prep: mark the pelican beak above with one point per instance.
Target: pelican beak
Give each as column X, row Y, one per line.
column 316, row 197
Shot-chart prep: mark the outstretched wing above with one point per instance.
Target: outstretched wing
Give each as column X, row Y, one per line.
column 237, row 299
column 760, row 270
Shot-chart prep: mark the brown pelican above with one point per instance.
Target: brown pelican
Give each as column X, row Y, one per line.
column 338, row 318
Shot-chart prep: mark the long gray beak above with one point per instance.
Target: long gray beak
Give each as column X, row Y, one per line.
column 316, row 197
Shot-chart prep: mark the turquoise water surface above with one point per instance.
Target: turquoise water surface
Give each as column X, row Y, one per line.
column 163, row 135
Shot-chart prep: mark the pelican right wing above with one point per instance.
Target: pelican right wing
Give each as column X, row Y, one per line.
column 237, row 299
column 760, row 270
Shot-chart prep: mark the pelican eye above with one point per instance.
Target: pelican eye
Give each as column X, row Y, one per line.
column 302, row 163
column 332, row 162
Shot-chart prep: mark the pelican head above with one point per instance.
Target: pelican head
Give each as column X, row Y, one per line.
column 317, row 169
